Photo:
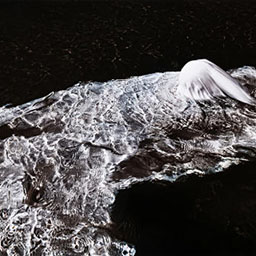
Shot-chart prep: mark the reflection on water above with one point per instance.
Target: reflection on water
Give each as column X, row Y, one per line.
column 64, row 157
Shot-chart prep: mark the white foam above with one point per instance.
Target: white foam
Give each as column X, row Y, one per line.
column 203, row 80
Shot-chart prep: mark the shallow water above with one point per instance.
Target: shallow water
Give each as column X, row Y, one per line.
column 64, row 157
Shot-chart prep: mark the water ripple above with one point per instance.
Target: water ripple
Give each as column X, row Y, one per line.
column 64, row 157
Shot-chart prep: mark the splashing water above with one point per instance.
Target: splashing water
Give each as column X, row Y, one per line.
column 65, row 156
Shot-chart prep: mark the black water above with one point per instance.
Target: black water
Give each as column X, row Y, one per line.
column 213, row 215
column 47, row 46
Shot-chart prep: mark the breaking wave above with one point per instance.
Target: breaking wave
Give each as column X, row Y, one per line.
column 64, row 157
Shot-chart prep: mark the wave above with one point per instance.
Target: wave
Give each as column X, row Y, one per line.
column 64, row 157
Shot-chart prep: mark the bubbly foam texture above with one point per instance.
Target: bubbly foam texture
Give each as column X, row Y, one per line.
column 63, row 157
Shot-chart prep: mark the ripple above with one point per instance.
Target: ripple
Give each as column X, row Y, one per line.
column 64, row 157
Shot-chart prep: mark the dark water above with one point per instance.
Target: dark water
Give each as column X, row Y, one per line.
column 89, row 167
column 50, row 46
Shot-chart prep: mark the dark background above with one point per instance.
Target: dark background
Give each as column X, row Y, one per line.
column 214, row 215
column 48, row 46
